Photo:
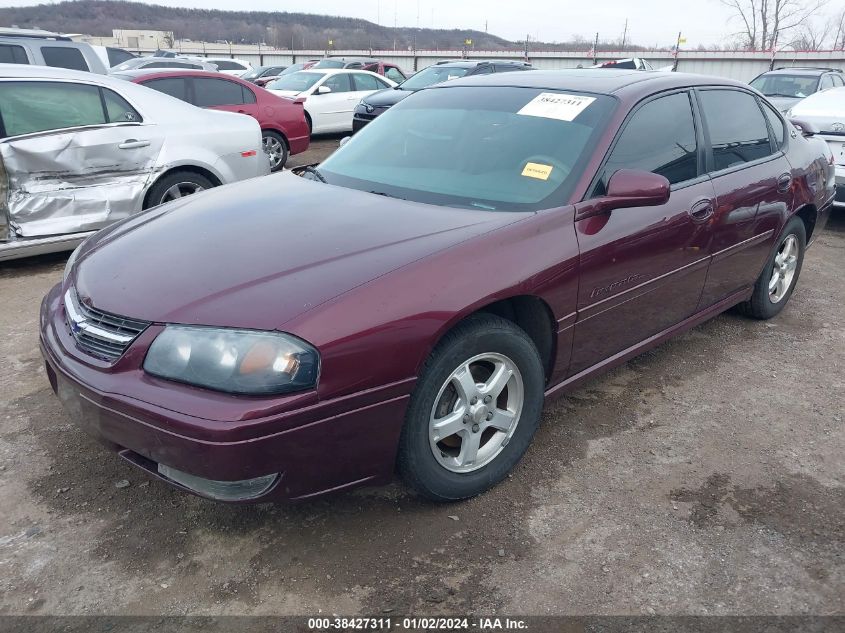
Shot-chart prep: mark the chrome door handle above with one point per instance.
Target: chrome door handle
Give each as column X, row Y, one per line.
column 133, row 143
column 784, row 182
column 701, row 211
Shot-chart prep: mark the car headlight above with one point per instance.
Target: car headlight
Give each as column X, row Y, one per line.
column 69, row 266
column 234, row 361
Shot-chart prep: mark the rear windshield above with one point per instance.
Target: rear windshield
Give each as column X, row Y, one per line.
column 494, row 148
column 296, row 82
column 329, row 63
column 799, row 86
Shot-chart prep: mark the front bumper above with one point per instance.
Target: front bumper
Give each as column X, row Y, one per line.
column 299, row 453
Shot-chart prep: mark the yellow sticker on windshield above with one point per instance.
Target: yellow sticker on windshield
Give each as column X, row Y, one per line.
column 538, row 171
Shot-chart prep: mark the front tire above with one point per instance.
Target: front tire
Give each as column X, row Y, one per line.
column 474, row 411
column 777, row 281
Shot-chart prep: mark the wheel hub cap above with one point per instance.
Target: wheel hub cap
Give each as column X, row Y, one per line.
column 783, row 271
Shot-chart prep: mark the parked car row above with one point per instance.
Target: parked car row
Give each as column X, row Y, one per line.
column 486, row 243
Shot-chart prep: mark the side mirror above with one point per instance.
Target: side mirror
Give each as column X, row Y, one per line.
column 805, row 127
column 627, row 188
column 323, row 90
column 344, row 141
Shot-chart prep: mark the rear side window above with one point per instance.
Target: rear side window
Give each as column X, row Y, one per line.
column 482, row 70
column 224, row 65
column 826, row 82
column 777, row 125
column 659, row 137
column 64, row 57
column 838, row 82
column 118, row 109
column 216, row 92
column 366, row 82
column 739, row 137
column 118, row 56
column 173, row 86
column 29, row 106
column 11, row 54
column 394, row 74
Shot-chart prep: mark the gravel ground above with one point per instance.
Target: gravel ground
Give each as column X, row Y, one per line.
column 704, row 477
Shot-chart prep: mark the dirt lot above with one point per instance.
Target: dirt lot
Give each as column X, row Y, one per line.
column 705, row 477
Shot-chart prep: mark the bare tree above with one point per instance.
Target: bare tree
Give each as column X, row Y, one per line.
column 812, row 36
column 764, row 22
column 838, row 28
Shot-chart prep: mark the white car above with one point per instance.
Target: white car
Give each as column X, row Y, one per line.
column 229, row 66
column 329, row 95
column 79, row 151
column 826, row 111
column 164, row 63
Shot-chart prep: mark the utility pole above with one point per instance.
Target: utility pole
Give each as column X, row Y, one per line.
column 596, row 50
column 527, row 37
column 677, row 50
column 625, row 34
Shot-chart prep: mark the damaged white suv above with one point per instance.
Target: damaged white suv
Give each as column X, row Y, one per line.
column 80, row 151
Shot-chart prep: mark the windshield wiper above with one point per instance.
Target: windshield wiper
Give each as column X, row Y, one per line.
column 387, row 195
column 780, row 94
column 310, row 169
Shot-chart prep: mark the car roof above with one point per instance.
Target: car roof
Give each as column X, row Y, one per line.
column 161, row 73
column 332, row 71
column 599, row 80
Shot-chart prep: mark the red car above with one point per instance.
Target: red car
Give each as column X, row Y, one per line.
column 488, row 243
column 283, row 125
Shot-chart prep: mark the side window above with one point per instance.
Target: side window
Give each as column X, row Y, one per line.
column 826, row 82
column 660, row 138
column 366, row 82
column 35, row 106
column 739, row 138
column 216, row 92
column 224, row 65
column 838, row 82
column 777, row 125
column 118, row 109
column 482, row 70
column 64, row 57
column 338, row 83
column 11, row 54
column 118, row 56
column 248, row 95
column 173, row 86
column 394, row 74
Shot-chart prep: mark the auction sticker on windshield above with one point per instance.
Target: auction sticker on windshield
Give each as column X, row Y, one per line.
column 553, row 105
column 538, row 171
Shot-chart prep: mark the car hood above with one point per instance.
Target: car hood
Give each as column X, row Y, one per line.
column 258, row 253
column 783, row 103
column 386, row 98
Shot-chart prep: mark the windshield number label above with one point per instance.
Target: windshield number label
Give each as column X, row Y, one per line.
column 552, row 105
column 538, row 171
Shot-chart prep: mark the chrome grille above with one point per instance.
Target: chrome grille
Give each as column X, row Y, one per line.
column 99, row 333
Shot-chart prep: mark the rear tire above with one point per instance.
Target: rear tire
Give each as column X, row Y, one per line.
column 276, row 148
column 474, row 411
column 780, row 275
column 176, row 185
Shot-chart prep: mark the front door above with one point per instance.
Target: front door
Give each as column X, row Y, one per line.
column 642, row 269
column 334, row 109
column 76, row 157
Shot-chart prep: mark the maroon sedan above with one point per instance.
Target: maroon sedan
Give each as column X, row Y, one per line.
column 486, row 244
column 283, row 125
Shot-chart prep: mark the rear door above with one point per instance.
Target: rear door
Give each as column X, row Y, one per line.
column 77, row 157
column 753, row 183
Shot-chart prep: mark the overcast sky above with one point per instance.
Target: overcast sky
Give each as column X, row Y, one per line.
column 649, row 21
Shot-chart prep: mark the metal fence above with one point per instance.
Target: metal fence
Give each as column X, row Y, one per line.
column 740, row 65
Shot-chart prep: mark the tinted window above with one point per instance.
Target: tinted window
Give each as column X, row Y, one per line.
column 173, row 65
column 118, row 109
column 483, row 70
column 339, row 83
column 776, row 123
column 738, row 131
column 506, row 68
column 472, row 147
column 826, row 82
column 224, row 65
column 173, row 86
column 394, row 74
column 64, row 57
column 10, row 54
column 328, row 63
column 659, row 137
column 780, row 85
column 216, row 92
column 118, row 56
column 30, row 106
column 248, row 95
column 366, row 82
column 838, row 82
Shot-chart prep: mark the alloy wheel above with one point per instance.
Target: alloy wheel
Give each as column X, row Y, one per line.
column 783, row 270
column 274, row 150
column 180, row 190
column 476, row 412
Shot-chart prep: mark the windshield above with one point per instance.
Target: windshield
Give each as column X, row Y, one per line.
column 494, row 148
column 798, row 86
column 432, row 75
column 296, row 82
column 329, row 63
column 255, row 72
